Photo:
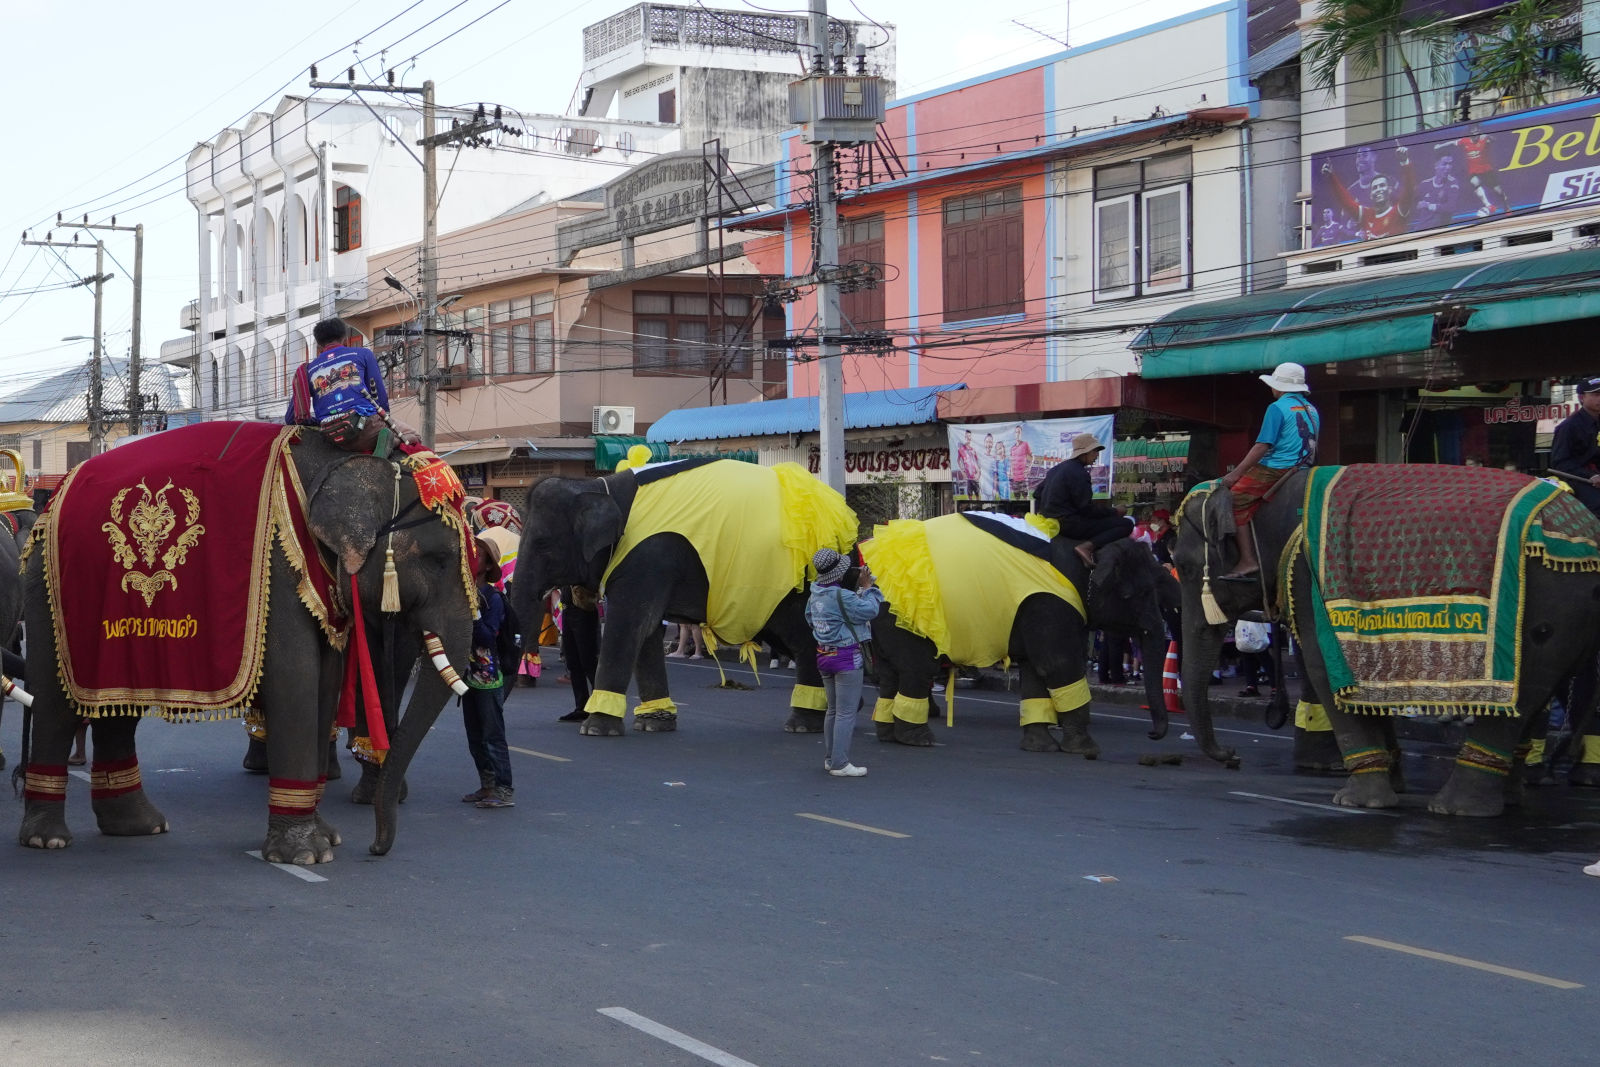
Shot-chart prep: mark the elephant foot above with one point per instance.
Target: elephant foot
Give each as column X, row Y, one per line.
column 1584, row 775
column 1036, row 737
column 296, row 839
column 915, row 734
column 1317, row 752
column 656, row 722
column 1158, row 725
column 1367, row 791
column 255, row 757
column 334, row 770
column 367, row 787
column 884, row 730
column 129, row 815
column 45, row 826
column 598, row 725
column 804, row 721
column 1075, row 739
column 326, row 829
column 1472, row 793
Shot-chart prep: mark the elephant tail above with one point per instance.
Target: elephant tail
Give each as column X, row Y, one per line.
column 24, row 757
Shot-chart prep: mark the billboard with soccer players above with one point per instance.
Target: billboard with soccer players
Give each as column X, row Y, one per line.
column 1006, row 461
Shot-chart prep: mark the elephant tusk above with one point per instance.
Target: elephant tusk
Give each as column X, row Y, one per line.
column 15, row 692
column 441, row 663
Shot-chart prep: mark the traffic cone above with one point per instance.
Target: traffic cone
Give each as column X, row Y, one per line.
column 1169, row 680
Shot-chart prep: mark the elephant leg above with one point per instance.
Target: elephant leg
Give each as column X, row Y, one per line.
column 1048, row 639
column 44, row 816
column 888, row 689
column 1316, row 750
column 255, row 752
column 808, row 703
column 632, row 626
column 115, row 789
column 1038, row 713
column 1585, row 772
column 1477, row 783
column 915, row 661
column 1530, row 767
column 655, row 712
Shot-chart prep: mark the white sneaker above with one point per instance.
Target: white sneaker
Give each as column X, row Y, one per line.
column 850, row 770
column 773, row 665
column 1593, row 868
column 827, row 766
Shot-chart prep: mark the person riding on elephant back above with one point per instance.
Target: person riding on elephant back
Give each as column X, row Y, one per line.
column 1287, row 441
column 1067, row 496
column 341, row 390
column 1575, row 448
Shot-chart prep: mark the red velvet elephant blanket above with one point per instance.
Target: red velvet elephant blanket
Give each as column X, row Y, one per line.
column 157, row 558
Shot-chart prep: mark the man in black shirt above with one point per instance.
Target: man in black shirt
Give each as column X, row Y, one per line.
column 1067, row 495
column 1575, row 449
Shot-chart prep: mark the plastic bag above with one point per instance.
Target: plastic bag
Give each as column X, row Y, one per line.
column 1251, row 636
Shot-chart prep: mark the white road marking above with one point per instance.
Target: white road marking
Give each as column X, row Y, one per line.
column 82, row 775
column 706, row 1052
column 1462, row 961
column 540, row 755
column 1309, row 804
column 851, row 825
column 299, row 872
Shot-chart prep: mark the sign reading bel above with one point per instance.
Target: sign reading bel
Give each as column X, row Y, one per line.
column 1526, row 161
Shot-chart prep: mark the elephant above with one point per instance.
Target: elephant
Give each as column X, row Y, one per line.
column 1130, row 593
column 17, row 517
column 1558, row 632
column 610, row 533
column 354, row 513
column 977, row 588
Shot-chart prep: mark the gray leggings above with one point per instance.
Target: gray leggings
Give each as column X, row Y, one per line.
column 844, row 701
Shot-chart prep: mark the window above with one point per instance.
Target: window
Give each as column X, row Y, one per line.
column 983, row 255
column 678, row 333
column 1141, row 227
column 346, row 219
column 522, row 335
column 77, row 452
column 861, row 245
column 667, row 106
column 38, row 453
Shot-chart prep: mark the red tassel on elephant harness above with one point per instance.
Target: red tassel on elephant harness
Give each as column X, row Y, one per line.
column 358, row 671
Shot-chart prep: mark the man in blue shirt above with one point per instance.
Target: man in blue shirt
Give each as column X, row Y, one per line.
column 1287, row 441
column 338, row 380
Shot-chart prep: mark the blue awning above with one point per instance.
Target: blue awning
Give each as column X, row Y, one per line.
column 798, row 414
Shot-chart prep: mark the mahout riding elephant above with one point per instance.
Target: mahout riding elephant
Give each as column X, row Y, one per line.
column 1440, row 510
column 1132, row 594
column 721, row 543
column 326, row 535
column 978, row 588
column 17, row 517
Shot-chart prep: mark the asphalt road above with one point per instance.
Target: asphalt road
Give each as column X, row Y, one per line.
column 711, row 896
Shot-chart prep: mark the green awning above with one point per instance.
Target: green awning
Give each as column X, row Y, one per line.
column 1370, row 318
column 610, row 449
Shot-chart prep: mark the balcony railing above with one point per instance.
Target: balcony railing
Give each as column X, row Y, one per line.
column 705, row 27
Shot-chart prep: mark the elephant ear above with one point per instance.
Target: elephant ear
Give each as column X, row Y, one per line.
column 350, row 506
column 596, row 522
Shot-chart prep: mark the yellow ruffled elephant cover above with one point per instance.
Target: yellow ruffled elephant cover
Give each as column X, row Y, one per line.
column 955, row 583
column 754, row 528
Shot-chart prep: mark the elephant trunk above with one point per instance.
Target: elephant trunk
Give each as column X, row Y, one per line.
column 1153, row 650
column 1202, row 651
column 428, row 698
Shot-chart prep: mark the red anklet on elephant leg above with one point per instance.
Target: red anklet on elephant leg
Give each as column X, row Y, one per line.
column 45, row 782
column 291, row 796
column 114, row 778
column 1367, row 761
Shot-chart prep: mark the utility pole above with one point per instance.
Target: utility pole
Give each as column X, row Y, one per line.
column 96, row 405
column 135, row 411
column 830, row 362
column 469, row 133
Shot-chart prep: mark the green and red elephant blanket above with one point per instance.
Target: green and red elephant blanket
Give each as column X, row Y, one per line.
column 157, row 561
column 1418, row 580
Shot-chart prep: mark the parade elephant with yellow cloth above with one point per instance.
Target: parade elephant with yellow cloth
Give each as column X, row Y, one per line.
column 979, row 589
column 1414, row 590
column 720, row 543
column 226, row 568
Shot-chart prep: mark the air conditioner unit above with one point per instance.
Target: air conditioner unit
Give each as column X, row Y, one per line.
column 610, row 419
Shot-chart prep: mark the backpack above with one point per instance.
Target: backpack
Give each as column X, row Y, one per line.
column 508, row 640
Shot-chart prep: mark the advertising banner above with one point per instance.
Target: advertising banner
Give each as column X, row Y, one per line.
column 1527, row 161
column 1000, row 461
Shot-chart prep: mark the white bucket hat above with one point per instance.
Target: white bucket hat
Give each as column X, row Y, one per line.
column 1287, row 378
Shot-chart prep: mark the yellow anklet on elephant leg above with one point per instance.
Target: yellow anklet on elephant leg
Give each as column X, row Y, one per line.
column 1071, row 697
column 607, row 702
column 1367, row 761
column 361, row 748
column 1038, row 711
column 1481, row 757
column 911, row 709
column 1533, row 752
column 255, row 725
column 808, row 697
column 1591, row 749
column 1312, row 717
column 657, row 706
column 883, row 710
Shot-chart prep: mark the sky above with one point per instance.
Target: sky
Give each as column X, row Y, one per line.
column 118, row 94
